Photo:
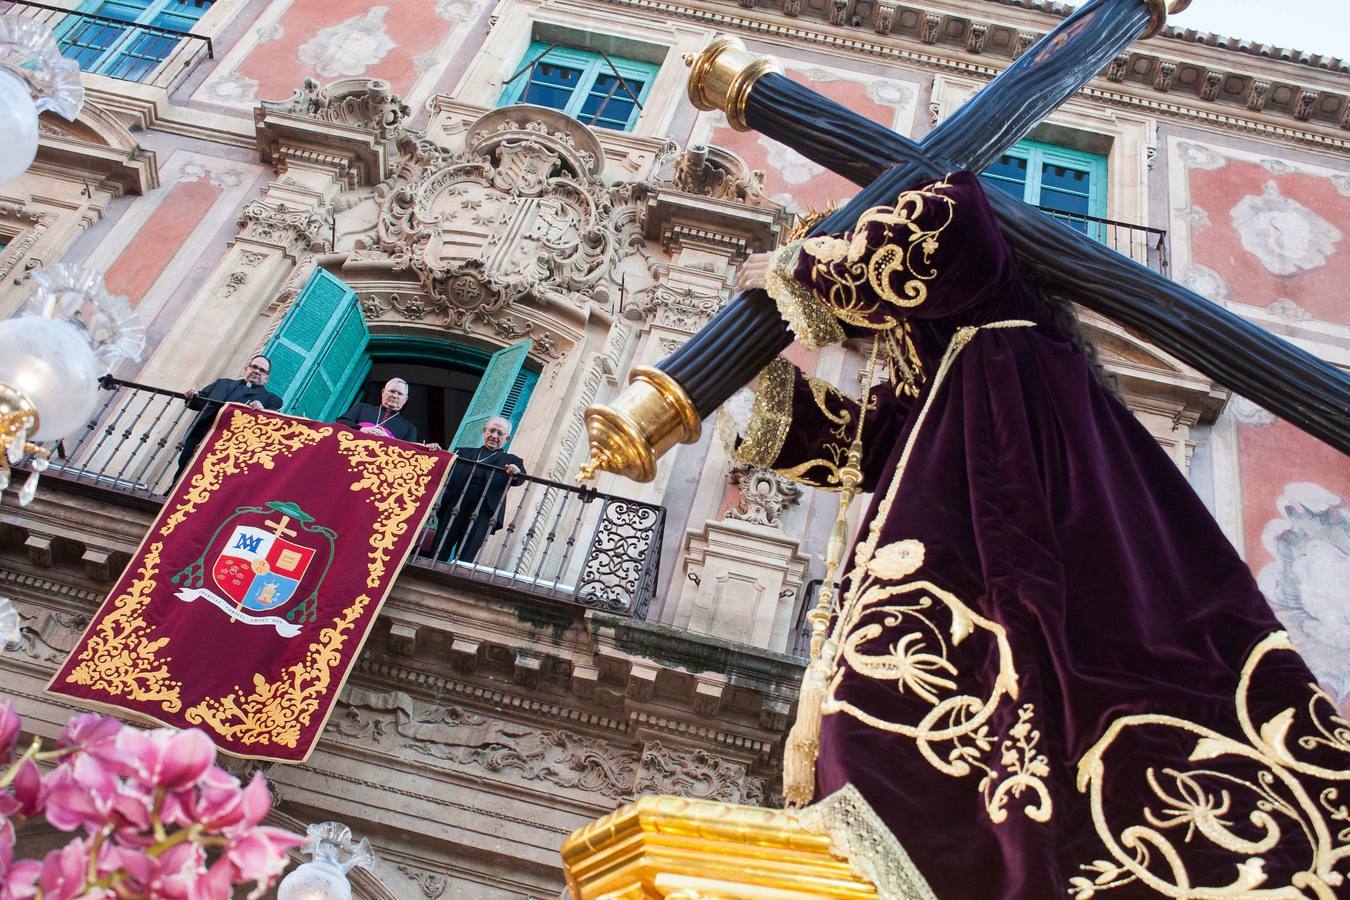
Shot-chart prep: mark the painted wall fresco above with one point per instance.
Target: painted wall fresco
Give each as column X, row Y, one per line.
column 792, row 179
column 408, row 43
column 1269, row 238
column 1263, row 232
column 172, row 234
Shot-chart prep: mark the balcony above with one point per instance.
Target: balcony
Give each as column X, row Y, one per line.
column 127, row 51
column 1146, row 246
column 556, row 541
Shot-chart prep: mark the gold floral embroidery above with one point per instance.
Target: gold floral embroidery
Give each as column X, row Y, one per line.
column 1205, row 801
column 811, row 320
column 393, row 478
column 772, row 415
column 246, row 441
column 954, row 734
column 277, row 712
column 121, row 656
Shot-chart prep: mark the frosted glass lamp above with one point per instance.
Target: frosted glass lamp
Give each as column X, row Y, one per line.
column 34, row 77
column 51, row 361
column 325, row 876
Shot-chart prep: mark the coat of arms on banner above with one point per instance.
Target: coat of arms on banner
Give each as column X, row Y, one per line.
column 262, row 566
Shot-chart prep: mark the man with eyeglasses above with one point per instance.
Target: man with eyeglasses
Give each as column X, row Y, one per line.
column 473, row 504
column 248, row 390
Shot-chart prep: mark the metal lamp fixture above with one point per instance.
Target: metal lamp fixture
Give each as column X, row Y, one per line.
column 34, row 77
column 50, row 363
column 324, row 877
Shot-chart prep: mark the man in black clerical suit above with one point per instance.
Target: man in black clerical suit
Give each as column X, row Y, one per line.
column 474, row 501
column 247, row 390
column 383, row 419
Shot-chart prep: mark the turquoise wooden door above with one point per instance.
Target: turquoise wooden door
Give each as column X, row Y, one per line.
column 501, row 393
column 318, row 353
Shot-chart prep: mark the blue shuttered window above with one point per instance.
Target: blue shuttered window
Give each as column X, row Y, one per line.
column 318, row 353
column 594, row 89
column 501, row 392
column 1070, row 184
column 131, row 52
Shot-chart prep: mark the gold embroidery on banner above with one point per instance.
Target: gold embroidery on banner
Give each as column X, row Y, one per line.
column 1206, row 801
column 954, row 735
column 278, row 712
column 394, row 479
column 121, row 657
column 247, row 440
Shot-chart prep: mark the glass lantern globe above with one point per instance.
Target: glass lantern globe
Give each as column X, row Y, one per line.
column 51, row 363
column 34, row 77
column 315, row 880
column 18, row 126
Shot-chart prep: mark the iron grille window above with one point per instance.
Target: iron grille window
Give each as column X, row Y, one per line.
column 592, row 87
column 126, row 39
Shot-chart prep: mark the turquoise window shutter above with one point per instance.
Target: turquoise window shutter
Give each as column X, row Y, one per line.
column 494, row 391
column 514, row 408
column 318, row 353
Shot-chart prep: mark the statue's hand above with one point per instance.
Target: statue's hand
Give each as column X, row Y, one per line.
column 753, row 272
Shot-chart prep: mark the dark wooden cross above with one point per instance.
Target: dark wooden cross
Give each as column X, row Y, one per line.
column 1293, row 384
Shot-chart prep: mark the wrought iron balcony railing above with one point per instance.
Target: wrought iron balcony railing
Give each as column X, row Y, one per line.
column 543, row 538
column 1144, row 245
column 129, row 51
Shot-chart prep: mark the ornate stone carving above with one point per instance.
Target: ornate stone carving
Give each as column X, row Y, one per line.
column 520, row 214
column 718, row 173
column 1209, row 89
column 885, row 18
column 1116, row 69
column 293, row 231
column 17, row 249
column 354, row 102
column 1162, row 77
column 1256, row 95
column 432, row 884
column 764, row 495
column 696, row 774
column 466, row 740
column 975, row 37
column 928, row 33
column 681, row 308
column 1303, row 107
column 1024, row 41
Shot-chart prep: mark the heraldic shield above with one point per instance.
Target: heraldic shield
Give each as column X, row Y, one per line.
column 262, row 566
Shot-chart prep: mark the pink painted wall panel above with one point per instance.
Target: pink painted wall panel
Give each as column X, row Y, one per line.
column 1297, row 523
column 808, row 185
column 1273, row 237
column 345, row 38
column 160, row 238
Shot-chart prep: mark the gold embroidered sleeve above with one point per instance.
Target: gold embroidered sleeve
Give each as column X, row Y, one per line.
column 772, row 415
column 811, row 320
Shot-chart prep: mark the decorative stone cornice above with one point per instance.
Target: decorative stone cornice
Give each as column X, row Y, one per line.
column 293, row 231
column 348, row 127
column 1184, row 71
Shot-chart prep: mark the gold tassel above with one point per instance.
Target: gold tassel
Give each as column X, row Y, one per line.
column 803, row 743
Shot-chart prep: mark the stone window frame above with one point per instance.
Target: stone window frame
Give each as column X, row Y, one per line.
column 619, row 33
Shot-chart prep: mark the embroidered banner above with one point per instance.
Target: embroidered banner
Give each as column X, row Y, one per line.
column 253, row 591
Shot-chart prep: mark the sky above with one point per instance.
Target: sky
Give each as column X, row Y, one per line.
column 1317, row 26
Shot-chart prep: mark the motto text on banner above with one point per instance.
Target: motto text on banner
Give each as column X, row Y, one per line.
column 243, row 609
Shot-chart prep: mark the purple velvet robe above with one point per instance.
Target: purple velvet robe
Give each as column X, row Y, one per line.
column 1055, row 676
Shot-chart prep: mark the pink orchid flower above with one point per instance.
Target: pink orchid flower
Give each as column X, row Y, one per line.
column 259, row 855
column 165, row 758
column 10, row 725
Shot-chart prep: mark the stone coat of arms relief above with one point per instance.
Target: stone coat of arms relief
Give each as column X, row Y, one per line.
column 520, row 214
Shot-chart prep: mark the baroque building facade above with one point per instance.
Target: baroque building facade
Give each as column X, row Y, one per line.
column 482, row 175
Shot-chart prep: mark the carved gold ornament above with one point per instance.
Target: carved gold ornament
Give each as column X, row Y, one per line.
column 1246, row 795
